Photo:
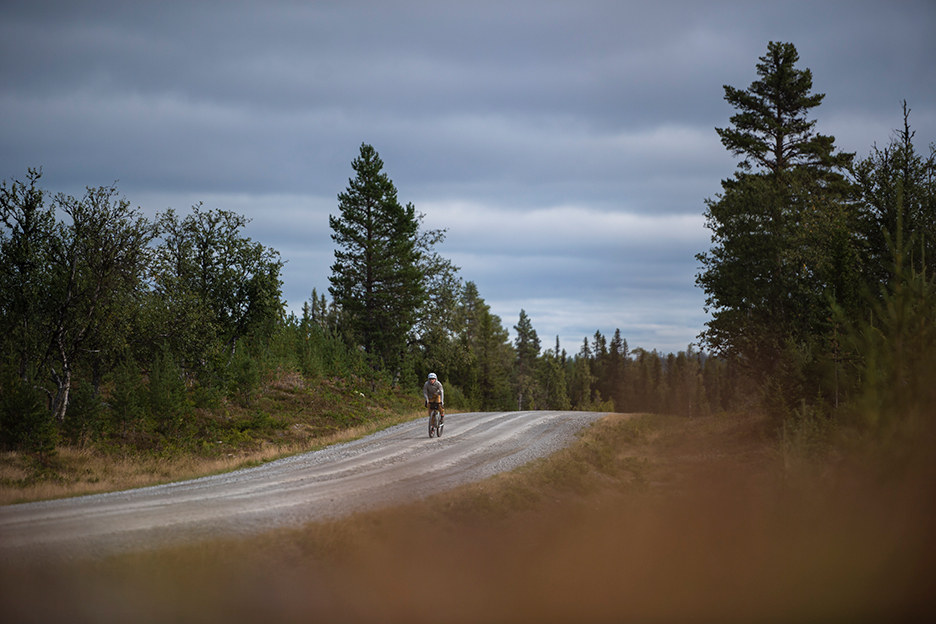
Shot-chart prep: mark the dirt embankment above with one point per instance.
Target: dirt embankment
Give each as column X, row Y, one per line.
column 647, row 519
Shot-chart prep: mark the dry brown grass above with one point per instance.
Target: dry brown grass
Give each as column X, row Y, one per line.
column 650, row 519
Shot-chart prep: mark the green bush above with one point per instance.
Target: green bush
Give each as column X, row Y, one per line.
column 25, row 420
column 126, row 400
column 168, row 397
column 86, row 417
column 245, row 378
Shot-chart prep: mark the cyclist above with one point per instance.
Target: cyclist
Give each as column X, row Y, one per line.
column 433, row 393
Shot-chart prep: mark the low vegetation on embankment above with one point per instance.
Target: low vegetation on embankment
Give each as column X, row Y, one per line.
column 643, row 518
column 287, row 414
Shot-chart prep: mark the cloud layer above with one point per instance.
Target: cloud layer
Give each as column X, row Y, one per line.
column 567, row 148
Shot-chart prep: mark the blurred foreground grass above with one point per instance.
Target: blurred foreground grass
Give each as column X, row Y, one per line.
column 645, row 518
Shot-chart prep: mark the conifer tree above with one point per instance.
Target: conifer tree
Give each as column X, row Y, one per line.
column 495, row 355
column 781, row 229
column 617, row 370
column 527, row 344
column 375, row 279
column 771, row 130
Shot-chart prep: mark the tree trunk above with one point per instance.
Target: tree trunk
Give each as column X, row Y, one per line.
column 63, row 381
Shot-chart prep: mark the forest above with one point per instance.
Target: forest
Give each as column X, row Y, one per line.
column 122, row 331
column 158, row 335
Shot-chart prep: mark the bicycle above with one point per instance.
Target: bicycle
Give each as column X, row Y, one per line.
column 436, row 420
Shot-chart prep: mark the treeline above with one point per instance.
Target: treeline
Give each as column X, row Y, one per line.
column 483, row 369
column 144, row 332
column 819, row 282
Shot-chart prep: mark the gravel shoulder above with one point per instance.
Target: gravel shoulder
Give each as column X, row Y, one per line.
column 396, row 465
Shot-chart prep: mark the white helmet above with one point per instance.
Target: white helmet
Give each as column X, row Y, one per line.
column 432, row 376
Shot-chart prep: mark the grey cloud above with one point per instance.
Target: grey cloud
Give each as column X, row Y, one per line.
column 507, row 123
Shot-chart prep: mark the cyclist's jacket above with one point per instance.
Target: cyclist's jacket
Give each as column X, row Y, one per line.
column 432, row 391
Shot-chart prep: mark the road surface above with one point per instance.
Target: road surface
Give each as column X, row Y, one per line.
column 397, row 465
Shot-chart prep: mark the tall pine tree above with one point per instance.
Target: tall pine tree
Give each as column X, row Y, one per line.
column 528, row 347
column 772, row 130
column 375, row 279
column 780, row 230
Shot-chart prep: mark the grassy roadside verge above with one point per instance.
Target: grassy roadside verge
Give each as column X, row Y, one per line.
column 288, row 416
column 80, row 471
column 644, row 518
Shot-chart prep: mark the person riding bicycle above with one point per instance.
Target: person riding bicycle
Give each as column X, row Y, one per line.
column 434, row 395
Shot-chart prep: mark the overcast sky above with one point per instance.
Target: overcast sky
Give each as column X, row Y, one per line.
column 568, row 147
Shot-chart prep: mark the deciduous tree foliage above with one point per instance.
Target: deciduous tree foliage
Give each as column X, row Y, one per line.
column 98, row 270
column 88, row 295
column 432, row 340
column 67, row 283
column 214, row 286
column 26, row 249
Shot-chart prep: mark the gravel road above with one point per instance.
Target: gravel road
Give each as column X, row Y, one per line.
column 393, row 466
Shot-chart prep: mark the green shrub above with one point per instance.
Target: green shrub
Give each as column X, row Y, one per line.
column 168, row 397
column 85, row 419
column 25, row 420
column 245, row 378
